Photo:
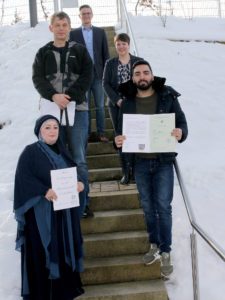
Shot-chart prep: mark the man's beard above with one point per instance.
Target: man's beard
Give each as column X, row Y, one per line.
column 143, row 85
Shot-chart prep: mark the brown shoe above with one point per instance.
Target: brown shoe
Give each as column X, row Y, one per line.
column 103, row 139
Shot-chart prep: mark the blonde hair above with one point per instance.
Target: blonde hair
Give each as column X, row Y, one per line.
column 60, row 15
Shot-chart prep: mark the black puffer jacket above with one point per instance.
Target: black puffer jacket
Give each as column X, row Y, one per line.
column 68, row 71
column 167, row 103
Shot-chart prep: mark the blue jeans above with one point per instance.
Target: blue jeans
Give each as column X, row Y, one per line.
column 96, row 90
column 155, row 185
column 78, row 136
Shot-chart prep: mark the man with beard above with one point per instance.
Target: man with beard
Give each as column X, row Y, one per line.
column 146, row 94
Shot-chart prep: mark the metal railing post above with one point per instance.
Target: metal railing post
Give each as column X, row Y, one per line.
column 33, row 13
column 194, row 260
column 219, row 9
column 118, row 11
column 56, row 5
column 127, row 24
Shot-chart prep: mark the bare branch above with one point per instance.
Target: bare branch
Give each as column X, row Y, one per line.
column 44, row 10
column 3, row 11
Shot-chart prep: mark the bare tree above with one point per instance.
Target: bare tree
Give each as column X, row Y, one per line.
column 17, row 17
column 45, row 12
column 145, row 3
column 3, row 11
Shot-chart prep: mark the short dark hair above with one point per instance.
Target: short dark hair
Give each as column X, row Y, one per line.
column 60, row 15
column 141, row 62
column 85, row 6
column 123, row 37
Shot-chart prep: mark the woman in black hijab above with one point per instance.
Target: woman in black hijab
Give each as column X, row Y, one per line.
column 50, row 241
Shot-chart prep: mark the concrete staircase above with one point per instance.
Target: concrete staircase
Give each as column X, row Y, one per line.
column 115, row 239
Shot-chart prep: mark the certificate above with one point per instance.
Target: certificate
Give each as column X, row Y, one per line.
column 64, row 183
column 149, row 133
column 48, row 107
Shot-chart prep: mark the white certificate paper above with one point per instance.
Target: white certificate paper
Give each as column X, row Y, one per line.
column 149, row 133
column 64, row 183
column 48, row 107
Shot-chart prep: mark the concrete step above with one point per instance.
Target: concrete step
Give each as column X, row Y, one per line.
column 109, row 133
column 111, row 44
column 108, row 28
column 118, row 269
column 139, row 290
column 97, row 148
column 115, row 244
column 114, row 200
column 105, row 174
column 112, row 51
column 115, row 239
column 108, row 124
column 110, row 35
column 103, row 161
column 114, row 221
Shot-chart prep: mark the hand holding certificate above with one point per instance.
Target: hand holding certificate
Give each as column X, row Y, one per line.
column 149, row 133
column 64, row 183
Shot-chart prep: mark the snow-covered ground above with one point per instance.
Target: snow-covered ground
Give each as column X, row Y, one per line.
column 196, row 70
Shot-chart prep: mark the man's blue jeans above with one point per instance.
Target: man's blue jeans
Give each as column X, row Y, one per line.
column 96, row 90
column 78, row 136
column 155, row 185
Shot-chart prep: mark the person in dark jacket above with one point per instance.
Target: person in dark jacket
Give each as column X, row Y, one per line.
column 62, row 72
column 50, row 241
column 94, row 39
column 118, row 70
column 146, row 94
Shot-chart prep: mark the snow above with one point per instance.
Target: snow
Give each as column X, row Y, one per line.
column 195, row 69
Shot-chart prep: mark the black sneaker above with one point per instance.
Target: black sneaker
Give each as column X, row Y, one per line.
column 88, row 213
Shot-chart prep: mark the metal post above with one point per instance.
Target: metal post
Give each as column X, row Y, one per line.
column 194, row 266
column 118, row 11
column 160, row 8
column 56, row 5
column 219, row 9
column 33, row 13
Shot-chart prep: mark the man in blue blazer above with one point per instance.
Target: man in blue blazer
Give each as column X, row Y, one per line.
column 94, row 38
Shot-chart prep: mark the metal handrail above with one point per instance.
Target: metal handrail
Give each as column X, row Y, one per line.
column 129, row 30
column 219, row 251
column 195, row 227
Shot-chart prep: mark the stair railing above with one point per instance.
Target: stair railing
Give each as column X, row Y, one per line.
column 124, row 20
column 195, row 227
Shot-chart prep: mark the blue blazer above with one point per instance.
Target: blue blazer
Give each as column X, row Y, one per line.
column 100, row 47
